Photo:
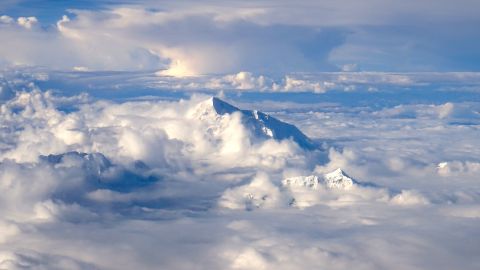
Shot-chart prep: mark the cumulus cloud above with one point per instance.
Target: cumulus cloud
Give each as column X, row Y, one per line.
column 6, row 19
column 334, row 189
column 320, row 82
column 197, row 177
column 153, row 133
column 457, row 167
column 27, row 22
column 259, row 193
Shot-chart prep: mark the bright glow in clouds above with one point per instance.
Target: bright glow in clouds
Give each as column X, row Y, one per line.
column 204, row 38
column 27, row 22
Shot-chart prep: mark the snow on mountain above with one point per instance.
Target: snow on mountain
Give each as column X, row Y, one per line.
column 310, row 181
column 334, row 180
column 299, row 191
column 94, row 163
column 260, row 125
column 338, row 189
column 99, row 172
column 338, row 179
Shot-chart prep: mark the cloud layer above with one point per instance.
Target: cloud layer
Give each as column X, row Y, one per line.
column 79, row 173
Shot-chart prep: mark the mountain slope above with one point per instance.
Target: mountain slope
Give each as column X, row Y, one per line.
column 337, row 179
column 261, row 125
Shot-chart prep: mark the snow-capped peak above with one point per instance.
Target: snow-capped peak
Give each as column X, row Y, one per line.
column 310, row 181
column 338, row 179
column 211, row 108
column 259, row 124
column 222, row 107
column 333, row 180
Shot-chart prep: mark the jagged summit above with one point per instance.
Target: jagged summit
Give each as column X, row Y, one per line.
column 310, row 181
column 260, row 124
column 222, row 107
column 337, row 179
column 95, row 163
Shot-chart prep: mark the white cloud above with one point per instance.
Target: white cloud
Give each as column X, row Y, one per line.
column 334, row 189
column 27, row 22
column 349, row 67
column 294, row 84
column 183, row 39
column 128, row 38
column 409, row 198
column 6, row 19
column 458, row 168
column 259, row 193
column 246, row 80
column 146, row 172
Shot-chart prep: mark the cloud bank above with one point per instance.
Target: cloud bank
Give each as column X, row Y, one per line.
column 196, row 177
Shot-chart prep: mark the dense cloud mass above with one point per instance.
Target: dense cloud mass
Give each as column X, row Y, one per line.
column 151, row 183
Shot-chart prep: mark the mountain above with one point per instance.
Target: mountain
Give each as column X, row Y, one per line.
column 93, row 163
column 310, row 182
column 100, row 172
column 260, row 124
column 337, row 179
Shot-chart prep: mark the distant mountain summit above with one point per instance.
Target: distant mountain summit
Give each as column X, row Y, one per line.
column 337, row 179
column 260, row 124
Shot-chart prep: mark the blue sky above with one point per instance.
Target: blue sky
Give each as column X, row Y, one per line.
column 192, row 38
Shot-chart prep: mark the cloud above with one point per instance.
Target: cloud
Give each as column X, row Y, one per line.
column 259, row 193
column 457, row 167
column 27, row 22
column 185, row 40
column 117, row 140
column 345, row 12
column 6, row 19
column 321, row 82
column 409, row 198
column 78, row 172
column 447, row 111
column 126, row 38
column 334, row 189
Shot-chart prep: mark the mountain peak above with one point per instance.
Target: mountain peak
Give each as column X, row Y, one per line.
column 338, row 179
column 222, row 107
column 337, row 172
column 211, row 108
column 261, row 125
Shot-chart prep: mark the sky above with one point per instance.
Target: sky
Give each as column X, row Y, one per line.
column 239, row 134
column 254, row 36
